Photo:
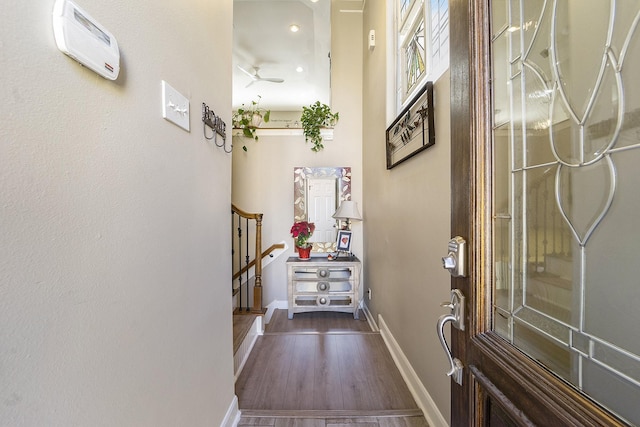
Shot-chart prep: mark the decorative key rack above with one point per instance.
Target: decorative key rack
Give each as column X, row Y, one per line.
column 217, row 125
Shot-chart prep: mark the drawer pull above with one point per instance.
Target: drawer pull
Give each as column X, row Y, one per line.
column 323, row 272
column 323, row 300
column 323, row 286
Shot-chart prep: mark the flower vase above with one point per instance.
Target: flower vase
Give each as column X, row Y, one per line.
column 304, row 253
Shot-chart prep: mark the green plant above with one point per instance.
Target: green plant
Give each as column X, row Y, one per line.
column 314, row 117
column 248, row 119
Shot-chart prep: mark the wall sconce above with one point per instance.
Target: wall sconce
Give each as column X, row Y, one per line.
column 348, row 211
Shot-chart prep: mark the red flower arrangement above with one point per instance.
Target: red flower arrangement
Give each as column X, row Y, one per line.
column 301, row 231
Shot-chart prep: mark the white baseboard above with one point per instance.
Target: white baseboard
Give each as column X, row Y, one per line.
column 420, row 394
column 232, row 417
column 241, row 356
column 370, row 318
column 272, row 306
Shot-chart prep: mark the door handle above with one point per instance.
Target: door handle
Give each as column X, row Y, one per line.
column 456, row 317
column 457, row 308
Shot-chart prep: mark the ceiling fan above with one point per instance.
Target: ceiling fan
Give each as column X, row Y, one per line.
column 255, row 77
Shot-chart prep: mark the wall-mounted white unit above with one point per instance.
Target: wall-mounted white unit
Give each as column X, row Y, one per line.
column 83, row 38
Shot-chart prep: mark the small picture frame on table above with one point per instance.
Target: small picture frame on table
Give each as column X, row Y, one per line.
column 343, row 244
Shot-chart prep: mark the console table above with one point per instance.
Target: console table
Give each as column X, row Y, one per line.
column 318, row 284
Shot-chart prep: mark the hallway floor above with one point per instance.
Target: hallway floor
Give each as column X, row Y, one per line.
column 323, row 369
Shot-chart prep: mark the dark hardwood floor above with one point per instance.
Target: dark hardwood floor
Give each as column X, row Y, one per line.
column 323, row 369
column 318, row 322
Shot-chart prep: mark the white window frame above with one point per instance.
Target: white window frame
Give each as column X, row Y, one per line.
column 436, row 25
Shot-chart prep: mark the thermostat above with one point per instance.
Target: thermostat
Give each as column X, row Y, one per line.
column 81, row 37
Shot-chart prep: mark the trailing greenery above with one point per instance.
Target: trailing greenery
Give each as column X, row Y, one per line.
column 249, row 118
column 313, row 118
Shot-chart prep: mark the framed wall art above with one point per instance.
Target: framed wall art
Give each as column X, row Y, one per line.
column 412, row 131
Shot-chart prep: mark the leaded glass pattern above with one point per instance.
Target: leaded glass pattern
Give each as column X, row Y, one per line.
column 404, row 7
column 566, row 145
column 440, row 30
column 421, row 46
column 415, row 56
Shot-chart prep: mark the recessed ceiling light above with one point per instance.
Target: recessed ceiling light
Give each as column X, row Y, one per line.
column 299, row 69
column 294, row 28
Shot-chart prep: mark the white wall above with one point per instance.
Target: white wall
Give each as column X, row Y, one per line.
column 114, row 269
column 408, row 223
column 263, row 176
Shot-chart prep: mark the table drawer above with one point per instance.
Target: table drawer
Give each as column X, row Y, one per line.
column 327, row 273
column 323, row 301
column 324, row 286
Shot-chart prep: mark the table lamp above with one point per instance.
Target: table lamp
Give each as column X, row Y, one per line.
column 348, row 211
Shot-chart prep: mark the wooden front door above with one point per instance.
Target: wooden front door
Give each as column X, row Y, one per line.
column 545, row 113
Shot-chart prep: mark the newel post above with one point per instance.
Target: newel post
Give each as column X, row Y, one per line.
column 257, row 287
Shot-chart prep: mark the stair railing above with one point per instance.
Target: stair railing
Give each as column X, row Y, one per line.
column 241, row 248
column 267, row 253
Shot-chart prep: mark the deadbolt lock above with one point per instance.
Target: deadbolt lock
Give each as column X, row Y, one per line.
column 456, row 259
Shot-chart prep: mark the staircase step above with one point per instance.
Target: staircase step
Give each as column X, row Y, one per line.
column 241, row 326
column 246, row 329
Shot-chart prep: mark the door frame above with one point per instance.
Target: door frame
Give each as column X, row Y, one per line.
column 494, row 371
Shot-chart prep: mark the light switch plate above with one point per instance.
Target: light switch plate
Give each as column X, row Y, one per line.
column 175, row 107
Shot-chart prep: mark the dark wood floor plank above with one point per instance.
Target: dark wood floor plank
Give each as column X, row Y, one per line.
column 359, row 421
column 256, row 421
column 253, row 374
column 348, row 424
column 374, row 374
column 324, row 414
column 301, row 378
column 385, row 381
column 299, row 422
column 327, row 375
column 319, row 421
column 354, row 385
column 403, row 422
column 262, row 384
column 274, row 390
column 254, row 371
column 319, row 322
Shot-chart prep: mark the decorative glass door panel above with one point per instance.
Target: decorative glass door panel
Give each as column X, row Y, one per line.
column 566, row 152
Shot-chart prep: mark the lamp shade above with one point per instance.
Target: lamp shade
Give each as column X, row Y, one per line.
column 348, row 210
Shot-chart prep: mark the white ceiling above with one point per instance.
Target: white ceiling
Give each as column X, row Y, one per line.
column 262, row 38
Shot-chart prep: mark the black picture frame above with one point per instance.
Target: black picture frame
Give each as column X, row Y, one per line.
column 413, row 130
column 343, row 242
